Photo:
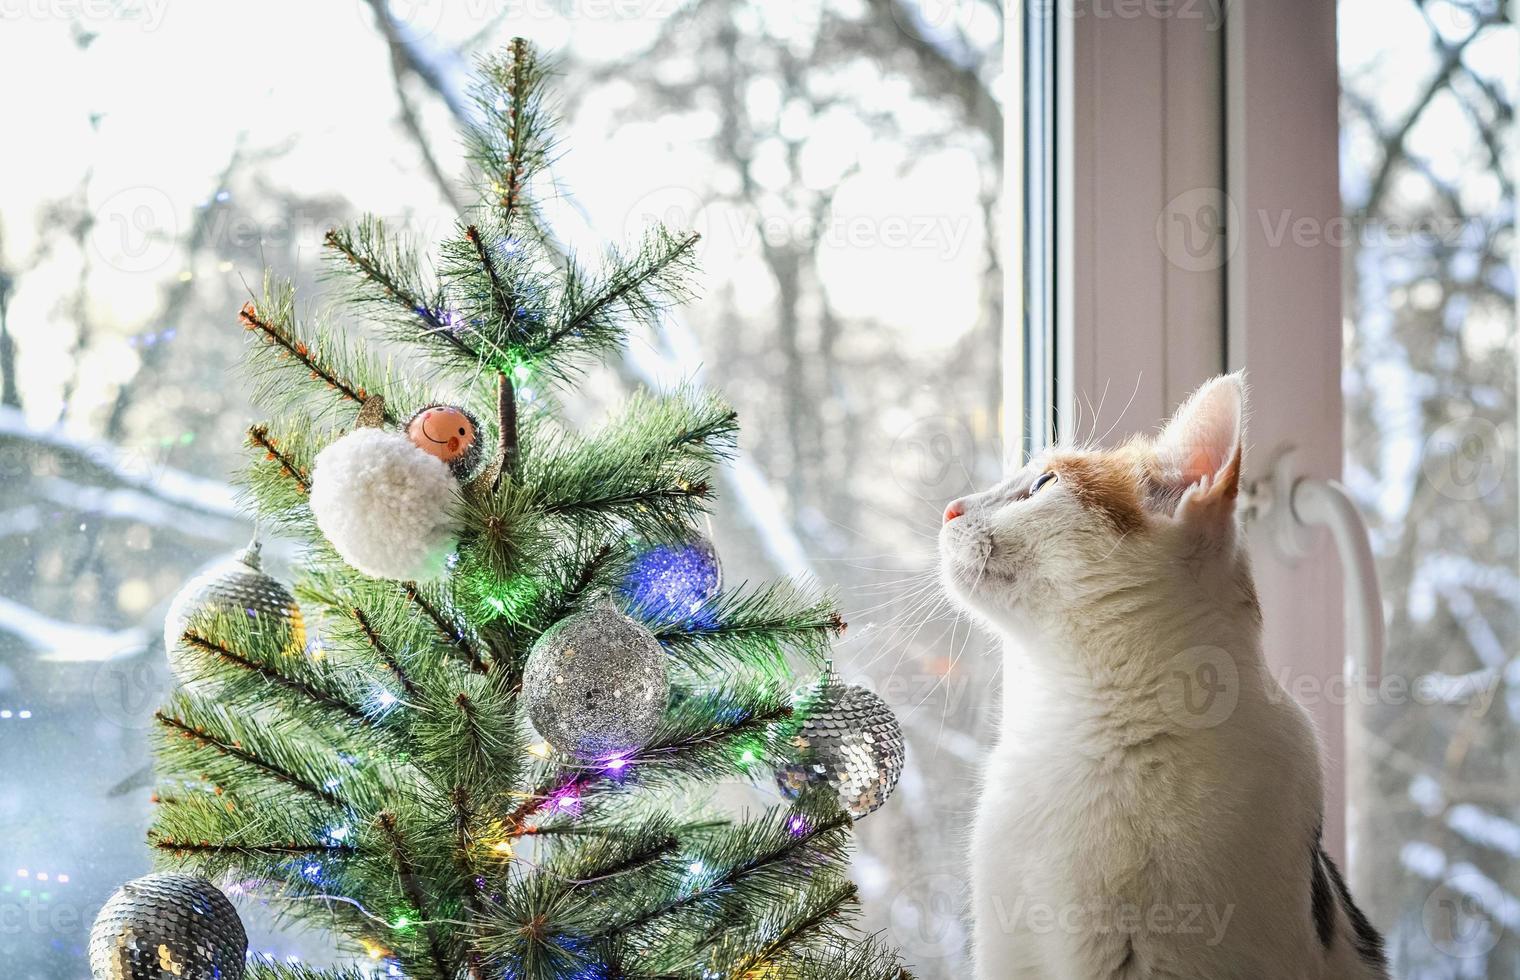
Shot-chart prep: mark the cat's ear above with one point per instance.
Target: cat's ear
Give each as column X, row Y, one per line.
column 1198, row 453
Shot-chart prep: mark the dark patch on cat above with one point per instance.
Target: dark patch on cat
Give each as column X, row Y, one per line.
column 1321, row 899
column 1365, row 939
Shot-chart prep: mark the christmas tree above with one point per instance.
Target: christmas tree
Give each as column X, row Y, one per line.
column 471, row 740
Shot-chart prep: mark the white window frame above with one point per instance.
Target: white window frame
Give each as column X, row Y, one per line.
column 1160, row 109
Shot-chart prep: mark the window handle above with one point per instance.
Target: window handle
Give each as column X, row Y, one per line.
column 1292, row 507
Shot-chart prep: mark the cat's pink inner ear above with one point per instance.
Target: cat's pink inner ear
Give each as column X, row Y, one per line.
column 1202, row 441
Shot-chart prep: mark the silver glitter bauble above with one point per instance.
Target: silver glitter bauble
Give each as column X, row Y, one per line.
column 596, row 684
column 236, row 586
column 168, row 927
column 848, row 739
column 672, row 579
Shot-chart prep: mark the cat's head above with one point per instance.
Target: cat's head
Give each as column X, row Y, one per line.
column 1083, row 533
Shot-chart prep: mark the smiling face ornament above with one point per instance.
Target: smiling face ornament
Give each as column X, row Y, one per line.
column 448, row 432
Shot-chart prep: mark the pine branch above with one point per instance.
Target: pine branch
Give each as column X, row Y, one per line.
column 235, row 751
column 593, row 313
column 470, row 739
column 260, row 969
column 378, row 622
column 506, row 414
column 750, row 627
column 385, row 654
column 464, row 816
column 617, row 506
column 406, row 870
column 783, row 850
column 512, row 142
column 282, row 850
column 215, row 835
column 447, row 629
column 259, row 437
column 814, row 916
column 277, row 480
column 636, row 288
column 539, row 926
column 517, row 92
column 501, row 298
column 390, row 286
column 543, row 796
column 280, row 336
column 307, row 691
column 644, row 472
column 591, row 570
column 800, row 939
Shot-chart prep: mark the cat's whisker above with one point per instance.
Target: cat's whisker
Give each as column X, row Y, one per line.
column 914, row 596
column 911, row 528
column 923, row 609
column 955, row 655
column 931, row 616
column 1098, row 412
column 1123, row 411
column 1117, row 543
column 934, row 601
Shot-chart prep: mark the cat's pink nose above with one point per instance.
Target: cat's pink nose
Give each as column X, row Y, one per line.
column 955, row 509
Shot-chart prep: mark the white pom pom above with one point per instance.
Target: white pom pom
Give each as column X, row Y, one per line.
column 383, row 503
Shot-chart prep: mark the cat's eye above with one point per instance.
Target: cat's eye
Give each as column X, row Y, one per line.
column 1041, row 481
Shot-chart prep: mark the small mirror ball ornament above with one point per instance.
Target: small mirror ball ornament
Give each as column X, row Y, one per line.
column 239, row 587
column 847, row 739
column 596, row 684
column 168, row 927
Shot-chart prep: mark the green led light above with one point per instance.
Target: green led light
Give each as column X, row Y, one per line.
column 512, row 598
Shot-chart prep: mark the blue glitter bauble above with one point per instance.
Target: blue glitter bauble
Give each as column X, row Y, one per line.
column 673, row 579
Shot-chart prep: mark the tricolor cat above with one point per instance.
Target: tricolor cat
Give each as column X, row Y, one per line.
column 1153, row 806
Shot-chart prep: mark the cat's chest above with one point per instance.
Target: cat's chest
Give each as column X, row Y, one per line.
column 1108, row 811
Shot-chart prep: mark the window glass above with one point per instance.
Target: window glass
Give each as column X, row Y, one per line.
column 1427, row 170
column 843, row 161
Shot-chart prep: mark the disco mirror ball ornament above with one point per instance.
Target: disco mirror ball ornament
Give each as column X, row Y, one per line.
column 596, row 684
column 673, row 578
column 168, row 927
column 237, row 586
column 848, row 739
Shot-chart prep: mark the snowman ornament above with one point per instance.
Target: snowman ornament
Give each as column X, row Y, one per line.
column 383, row 497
